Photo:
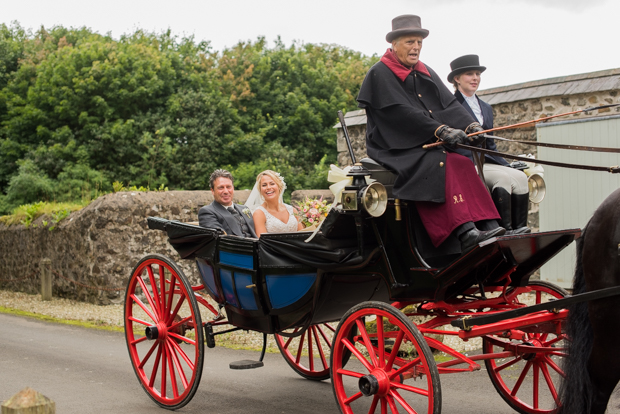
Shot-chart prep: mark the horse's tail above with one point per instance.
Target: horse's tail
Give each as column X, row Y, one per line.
column 576, row 388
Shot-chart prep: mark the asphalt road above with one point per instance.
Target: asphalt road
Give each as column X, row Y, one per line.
column 88, row 371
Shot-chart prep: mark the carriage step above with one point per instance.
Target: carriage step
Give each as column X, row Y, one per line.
column 246, row 364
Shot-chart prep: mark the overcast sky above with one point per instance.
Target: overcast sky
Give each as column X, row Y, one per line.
column 517, row 40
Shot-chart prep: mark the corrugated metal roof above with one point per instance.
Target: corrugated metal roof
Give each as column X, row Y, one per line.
column 604, row 80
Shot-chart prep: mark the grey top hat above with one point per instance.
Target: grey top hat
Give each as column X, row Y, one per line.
column 463, row 64
column 407, row 24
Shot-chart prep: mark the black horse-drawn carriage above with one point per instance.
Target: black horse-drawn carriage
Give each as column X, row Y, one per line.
column 355, row 301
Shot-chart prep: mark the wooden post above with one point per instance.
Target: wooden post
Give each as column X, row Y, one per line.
column 28, row 401
column 46, row 279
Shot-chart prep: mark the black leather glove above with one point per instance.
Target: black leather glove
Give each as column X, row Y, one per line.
column 475, row 140
column 451, row 136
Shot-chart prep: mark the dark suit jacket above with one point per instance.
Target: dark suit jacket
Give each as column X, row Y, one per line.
column 487, row 114
column 215, row 216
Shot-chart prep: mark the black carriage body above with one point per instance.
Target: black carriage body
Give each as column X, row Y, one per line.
column 279, row 281
column 283, row 281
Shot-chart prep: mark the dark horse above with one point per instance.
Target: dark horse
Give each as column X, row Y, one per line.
column 593, row 366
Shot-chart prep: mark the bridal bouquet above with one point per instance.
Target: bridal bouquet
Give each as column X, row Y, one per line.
column 312, row 212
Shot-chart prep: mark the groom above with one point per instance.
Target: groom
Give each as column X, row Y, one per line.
column 222, row 213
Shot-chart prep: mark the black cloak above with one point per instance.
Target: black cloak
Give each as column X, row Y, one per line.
column 403, row 116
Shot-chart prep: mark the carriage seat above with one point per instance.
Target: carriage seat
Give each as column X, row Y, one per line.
column 380, row 173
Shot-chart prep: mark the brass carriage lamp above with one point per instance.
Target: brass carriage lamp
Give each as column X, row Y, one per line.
column 372, row 197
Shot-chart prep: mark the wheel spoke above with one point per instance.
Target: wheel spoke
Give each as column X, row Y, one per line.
column 507, row 364
column 310, row 352
column 180, row 322
column 555, row 341
column 175, row 312
column 555, row 366
column 380, row 341
column 137, row 341
column 177, row 363
column 395, row 395
column 182, row 338
column 357, row 353
column 415, row 390
column 140, row 321
column 535, row 385
column 156, row 295
column 397, row 342
column 550, row 384
column 173, row 377
column 404, row 368
column 348, row 373
column 352, row 398
column 300, row 347
column 181, row 352
column 391, row 404
column 148, row 298
column 373, row 406
column 148, row 355
column 162, row 289
column 144, row 308
column 155, row 366
column 320, row 348
column 164, row 362
column 171, row 292
column 521, row 378
column 325, row 338
column 371, row 351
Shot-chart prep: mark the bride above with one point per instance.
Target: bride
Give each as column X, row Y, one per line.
column 270, row 214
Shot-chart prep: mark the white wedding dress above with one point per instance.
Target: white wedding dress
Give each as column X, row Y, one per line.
column 275, row 225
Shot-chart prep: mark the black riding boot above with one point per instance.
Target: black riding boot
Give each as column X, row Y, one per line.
column 502, row 201
column 520, row 207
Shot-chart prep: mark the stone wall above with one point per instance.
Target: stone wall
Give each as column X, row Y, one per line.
column 94, row 250
column 508, row 113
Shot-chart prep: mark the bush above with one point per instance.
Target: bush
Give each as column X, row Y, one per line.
column 80, row 182
column 28, row 186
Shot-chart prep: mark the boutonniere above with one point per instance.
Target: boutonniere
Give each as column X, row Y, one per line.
column 246, row 211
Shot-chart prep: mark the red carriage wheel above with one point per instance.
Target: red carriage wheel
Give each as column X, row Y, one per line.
column 163, row 330
column 308, row 354
column 391, row 367
column 513, row 365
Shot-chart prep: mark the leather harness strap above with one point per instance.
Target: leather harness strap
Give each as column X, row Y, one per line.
column 560, row 146
column 614, row 169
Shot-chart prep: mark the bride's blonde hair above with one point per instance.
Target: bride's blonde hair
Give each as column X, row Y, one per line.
column 276, row 177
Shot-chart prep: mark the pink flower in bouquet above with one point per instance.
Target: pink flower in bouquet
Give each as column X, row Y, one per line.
column 312, row 211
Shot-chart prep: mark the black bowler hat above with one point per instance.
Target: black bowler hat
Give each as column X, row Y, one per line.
column 407, row 24
column 464, row 64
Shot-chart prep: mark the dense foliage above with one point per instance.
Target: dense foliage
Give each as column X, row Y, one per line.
column 80, row 110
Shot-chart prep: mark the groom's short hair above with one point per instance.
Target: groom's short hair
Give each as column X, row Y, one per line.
column 219, row 174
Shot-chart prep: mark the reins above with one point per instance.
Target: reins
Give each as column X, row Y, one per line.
column 560, row 146
column 614, row 169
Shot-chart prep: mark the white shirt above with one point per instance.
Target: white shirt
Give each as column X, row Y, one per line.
column 473, row 103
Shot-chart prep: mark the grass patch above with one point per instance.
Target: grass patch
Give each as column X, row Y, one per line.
column 85, row 324
column 27, row 213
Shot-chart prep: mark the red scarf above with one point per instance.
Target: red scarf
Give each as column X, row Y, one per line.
column 400, row 70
